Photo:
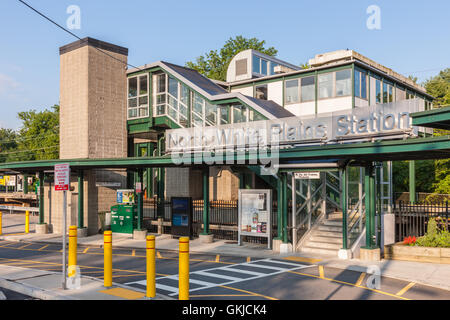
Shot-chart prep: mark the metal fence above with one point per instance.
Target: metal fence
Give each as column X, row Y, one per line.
column 223, row 218
column 411, row 219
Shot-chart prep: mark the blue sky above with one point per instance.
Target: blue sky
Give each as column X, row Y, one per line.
column 413, row 39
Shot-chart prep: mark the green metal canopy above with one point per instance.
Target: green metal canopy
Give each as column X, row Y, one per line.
column 436, row 118
column 408, row 149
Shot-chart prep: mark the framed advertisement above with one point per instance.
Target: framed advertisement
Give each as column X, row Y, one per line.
column 255, row 214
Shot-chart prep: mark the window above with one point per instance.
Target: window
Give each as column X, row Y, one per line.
column 239, row 114
column 378, row 91
column 308, row 89
column 256, row 64
column 254, row 116
column 272, row 67
column 343, row 83
column 259, row 65
column 210, row 114
column 261, row 92
column 325, row 85
column 390, row 94
column 291, row 91
column 263, row 67
column 138, row 97
column 223, row 114
column 171, row 98
column 360, row 84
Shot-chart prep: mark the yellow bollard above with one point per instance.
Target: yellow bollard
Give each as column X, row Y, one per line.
column 183, row 276
column 72, row 249
column 107, row 245
column 151, row 284
column 1, row 223
column 27, row 221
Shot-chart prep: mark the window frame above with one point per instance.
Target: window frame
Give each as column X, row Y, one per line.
column 138, row 96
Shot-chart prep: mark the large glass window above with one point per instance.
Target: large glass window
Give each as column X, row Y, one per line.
column 210, row 114
column 256, row 64
column 308, row 89
column 343, row 83
column 171, row 99
column 223, row 114
column 360, row 84
column 385, row 92
column 378, row 91
column 239, row 114
column 272, row 67
column 291, row 91
column 138, row 97
column 325, row 85
column 263, row 67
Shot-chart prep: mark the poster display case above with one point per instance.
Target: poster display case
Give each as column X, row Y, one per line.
column 255, row 213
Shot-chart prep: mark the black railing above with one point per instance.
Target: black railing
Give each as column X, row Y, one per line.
column 223, row 218
column 411, row 219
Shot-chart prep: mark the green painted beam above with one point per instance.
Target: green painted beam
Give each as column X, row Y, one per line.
column 412, row 181
column 344, row 197
column 80, row 199
column 435, row 118
column 206, row 202
column 41, row 197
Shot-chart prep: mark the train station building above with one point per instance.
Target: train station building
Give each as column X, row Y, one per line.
column 321, row 139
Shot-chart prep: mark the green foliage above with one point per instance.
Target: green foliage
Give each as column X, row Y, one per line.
column 439, row 87
column 214, row 64
column 434, row 237
column 424, row 180
column 37, row 139
column 8, row 143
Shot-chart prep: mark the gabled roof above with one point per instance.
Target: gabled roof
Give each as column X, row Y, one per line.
column 197, row 78
column 213, row 92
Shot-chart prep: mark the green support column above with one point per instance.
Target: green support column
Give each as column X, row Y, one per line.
column 160, row 182
column 279, row 209
column 344, row 196
column 412, row 181
column 140, row 202
column 285, row 208
column 367, row 173
column 41, row 197
column 80, row 199
column 372, row 207
column 25, row 184
column 206, row 202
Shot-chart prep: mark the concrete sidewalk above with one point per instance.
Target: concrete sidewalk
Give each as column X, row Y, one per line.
column 47, row 285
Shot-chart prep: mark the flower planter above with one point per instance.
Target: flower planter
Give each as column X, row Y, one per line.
column 399, row 251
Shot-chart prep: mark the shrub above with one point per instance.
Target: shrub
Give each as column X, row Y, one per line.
column 434, row 237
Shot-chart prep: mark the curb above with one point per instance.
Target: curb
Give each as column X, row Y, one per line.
column 31, row 291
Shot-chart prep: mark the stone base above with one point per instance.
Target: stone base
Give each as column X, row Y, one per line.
column 276, row 245
column 139, row 234
column 206, row 238
column 370, row 254
column 285, row 248
column 41, row 228
column 345, row 254
column 82, row 233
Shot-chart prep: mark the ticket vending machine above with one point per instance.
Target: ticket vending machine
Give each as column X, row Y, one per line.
column 124, row 213
column 181, row 217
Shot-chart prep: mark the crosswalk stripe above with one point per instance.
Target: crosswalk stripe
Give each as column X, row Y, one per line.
column 266, row 267
column 215, row 275
column 243, row 271
column 167, row 288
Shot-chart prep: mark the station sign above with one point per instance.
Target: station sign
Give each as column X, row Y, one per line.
column 385, row 121
column 62, row 177
column 308, row 175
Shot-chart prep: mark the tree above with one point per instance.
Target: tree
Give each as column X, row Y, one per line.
column 8, row 143
column 38, row 138
column 439, row 87
column 214, row 64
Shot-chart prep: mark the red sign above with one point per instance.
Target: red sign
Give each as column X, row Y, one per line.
column 62, row 177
